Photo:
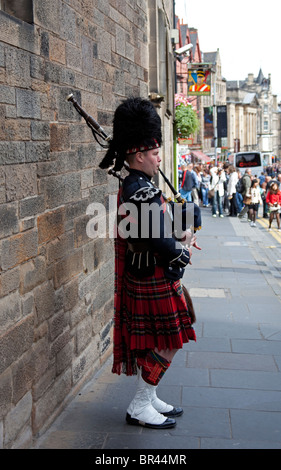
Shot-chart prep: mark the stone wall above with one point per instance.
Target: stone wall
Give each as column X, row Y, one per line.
column 56, row 283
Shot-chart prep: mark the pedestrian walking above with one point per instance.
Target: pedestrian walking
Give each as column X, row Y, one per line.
column 152, row 320
column 273, row 200
column 205, row 184
column 247, row 181
column 195, row 186
column 231, row 190
column 187, row 183
column 217, row 184
column 255, row 196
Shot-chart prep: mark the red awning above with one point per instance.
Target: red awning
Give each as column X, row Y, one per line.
column 200, row 155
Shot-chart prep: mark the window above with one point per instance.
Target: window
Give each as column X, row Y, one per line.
column 265, row 109
column 22, row 9
column 248, row 160
column 265, row 126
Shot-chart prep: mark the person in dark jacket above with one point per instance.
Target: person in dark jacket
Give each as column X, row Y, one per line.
column 152, row 319
column 187, row 183
column 247, row 182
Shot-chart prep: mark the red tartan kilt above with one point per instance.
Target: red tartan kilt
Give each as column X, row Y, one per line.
column 154, row 313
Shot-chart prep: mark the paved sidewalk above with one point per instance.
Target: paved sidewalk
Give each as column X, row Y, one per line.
column 228, row 382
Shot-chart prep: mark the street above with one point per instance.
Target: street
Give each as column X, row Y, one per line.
column 228, row 382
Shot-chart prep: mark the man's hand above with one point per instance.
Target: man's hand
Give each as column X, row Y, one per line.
column 189, row 239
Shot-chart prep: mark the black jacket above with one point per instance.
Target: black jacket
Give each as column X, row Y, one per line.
column 187, row 181
column 149, row 224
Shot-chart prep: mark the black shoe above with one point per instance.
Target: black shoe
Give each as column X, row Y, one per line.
column 168, row 423
column 174, row 412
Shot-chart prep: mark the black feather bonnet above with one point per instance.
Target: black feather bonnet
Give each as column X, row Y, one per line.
column 136, row 126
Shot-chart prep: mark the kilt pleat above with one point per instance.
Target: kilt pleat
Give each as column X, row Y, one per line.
column 149, row 313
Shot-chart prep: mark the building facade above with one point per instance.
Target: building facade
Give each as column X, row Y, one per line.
column 56, row 281
column 256, row 123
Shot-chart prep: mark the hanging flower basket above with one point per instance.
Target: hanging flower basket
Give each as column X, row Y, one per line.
column 186, row 120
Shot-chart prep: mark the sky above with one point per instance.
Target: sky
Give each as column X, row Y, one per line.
column 246, row 32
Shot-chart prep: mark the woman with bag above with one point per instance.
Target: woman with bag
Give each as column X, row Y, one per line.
column 273, row 200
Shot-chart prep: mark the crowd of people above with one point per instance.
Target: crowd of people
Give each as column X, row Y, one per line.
column 230, row 193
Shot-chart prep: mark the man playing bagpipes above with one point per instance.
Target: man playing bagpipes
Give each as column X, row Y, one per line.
column 152, row 320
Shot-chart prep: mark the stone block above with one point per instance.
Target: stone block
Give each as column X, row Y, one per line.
column 23, row 375
column 83, row 334
column 37, row 67
column 88, row 285
column 10, row 308
column 68, row 267
column 9, row 281
column 73, row 57
column 40, row 130
column 77, row 314
column 67, row 112
column 68, row 24
column 70, row 294
column 120, row 41
column 18, row 67
column 21, row 181
column 27, row 224
column 57, row 49
column 15, row 342
column 7, row 94
column 44, row 297
column 28, row 104
column 87, row 156
column 6, row 393
column 80, row 233
column 44, row 46
column 59, row 190
column 51, row 225
column 32, row 274
column 47, row 14
column 1, row 435
column 60, row 247
column 16, row 130
column 27, row 304
column 59, row 137
column 17, row 418
column 64, row 357
column 59, row 343
column 86, row 179
column 37, row 152
column 47, row 404
column 19, row 248
column 2, row 56
column 31, row 206
column 12, row 153
column 86, row 360
column 9, row 219
column 87, row 56
column 56, row 325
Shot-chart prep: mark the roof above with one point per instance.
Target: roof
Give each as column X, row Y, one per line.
column 200, row 155
column 249, row 98
column 210, row 57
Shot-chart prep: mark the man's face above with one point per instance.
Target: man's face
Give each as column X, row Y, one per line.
column 151, row 162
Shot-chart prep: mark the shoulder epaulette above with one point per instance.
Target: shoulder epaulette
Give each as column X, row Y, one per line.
column 139, row 190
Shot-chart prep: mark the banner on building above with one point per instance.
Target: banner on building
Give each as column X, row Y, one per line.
column 208, row 122
column 222, row 121
column 199, row 79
